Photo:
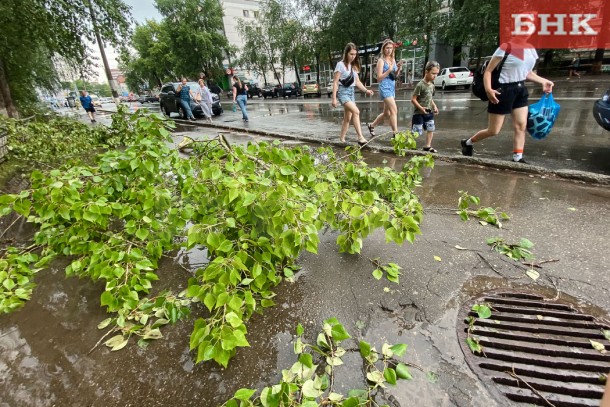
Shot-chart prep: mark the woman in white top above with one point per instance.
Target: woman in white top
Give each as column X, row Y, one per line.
column 345, row 80
column 509, row 95
column 205, row 100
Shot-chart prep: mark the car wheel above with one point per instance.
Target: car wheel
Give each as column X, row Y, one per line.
column 164, row 110
column 319, row 95
column 466, row 87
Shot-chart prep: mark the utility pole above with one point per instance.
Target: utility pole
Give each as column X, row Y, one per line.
column 98, row 37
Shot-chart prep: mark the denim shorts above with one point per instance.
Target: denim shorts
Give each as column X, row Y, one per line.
column 421, row 122
column 345, row 94
column 386, row 93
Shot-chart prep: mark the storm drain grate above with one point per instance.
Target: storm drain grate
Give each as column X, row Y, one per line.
column 532, row 343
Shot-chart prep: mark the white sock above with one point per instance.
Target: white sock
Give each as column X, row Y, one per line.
column 469, row 142
column 517, row 156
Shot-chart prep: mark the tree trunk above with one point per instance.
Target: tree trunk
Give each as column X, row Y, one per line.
column 6, row 102
column 596, row 67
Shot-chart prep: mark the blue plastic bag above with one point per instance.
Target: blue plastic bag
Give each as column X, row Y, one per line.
column 541, row 116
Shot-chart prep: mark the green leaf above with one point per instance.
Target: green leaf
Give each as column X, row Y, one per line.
column 483, row 311
column 474, row 345
column 233, row 319
column 390, row 375
column 339, row 333
column 403, row 372
column 606, row 333
column 104, row 323
column 306, row 359
column 378, row 274
column 399, row 349
column 300, row 330
column 142, row 234
column 244, row 394
column 365, row 349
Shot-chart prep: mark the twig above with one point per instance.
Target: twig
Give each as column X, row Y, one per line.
column 539, row 264
column 101, row 339
column 514, row 375
column 489, row 264
column 11, row 225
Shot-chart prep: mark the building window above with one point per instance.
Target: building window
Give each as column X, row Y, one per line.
column 246, row 13
column 256, row 14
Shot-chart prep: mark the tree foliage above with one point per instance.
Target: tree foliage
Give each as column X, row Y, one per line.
column 252, row 208
column 153, row 60
column 194, row 32
column 34, row 32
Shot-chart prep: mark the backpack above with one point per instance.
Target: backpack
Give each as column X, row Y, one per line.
column 478, row 88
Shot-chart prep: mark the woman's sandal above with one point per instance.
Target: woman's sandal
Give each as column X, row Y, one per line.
column 371, row 130
column 430, row 149
column 362, row 143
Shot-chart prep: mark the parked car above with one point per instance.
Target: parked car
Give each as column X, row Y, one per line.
column 329, row 88
column 253, row 89
column 149, row 99
column 168, row 101
column 311, row 88
column 289, row 89
column 271, row 91
column 454, row 76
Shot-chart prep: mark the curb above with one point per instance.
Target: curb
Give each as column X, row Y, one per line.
column 570, row 175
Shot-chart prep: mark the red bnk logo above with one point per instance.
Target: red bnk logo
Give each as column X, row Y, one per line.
column 556, row 23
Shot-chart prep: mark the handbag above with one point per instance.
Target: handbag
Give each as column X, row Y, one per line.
column 541, row 116
column 478, row 88
column 347, row 82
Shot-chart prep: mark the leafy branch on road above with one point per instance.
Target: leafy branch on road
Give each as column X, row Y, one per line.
column 254, row 208
column 311, row 381
column 487, row 215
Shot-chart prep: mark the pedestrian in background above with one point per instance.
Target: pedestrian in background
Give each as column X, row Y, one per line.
column 205, row 100
column 509, row 96
column 186, row 94
column 387, row 73
column 240, row 95
column 425, row 108
column 87, row 103
column 344, row 81
column 574, row 65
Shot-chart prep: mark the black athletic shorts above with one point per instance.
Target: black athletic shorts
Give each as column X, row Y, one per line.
column 90, row 109
column 512, row 96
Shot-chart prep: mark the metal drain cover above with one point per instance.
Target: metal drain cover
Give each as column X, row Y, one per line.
column 537, row 351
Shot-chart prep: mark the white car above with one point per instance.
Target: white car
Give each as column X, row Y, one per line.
column 454, row 76
column 329, row 88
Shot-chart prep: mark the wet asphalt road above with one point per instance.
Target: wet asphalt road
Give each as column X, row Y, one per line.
column 575, row 143
column 45, row 358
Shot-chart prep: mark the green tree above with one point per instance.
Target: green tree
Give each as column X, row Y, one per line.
column 473, row 23
column 196, row 39
column 153, row 61
column 34, row 32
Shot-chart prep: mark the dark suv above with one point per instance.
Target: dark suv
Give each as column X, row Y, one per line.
column 253, row 90
column 289, row 89
column 169, row 102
